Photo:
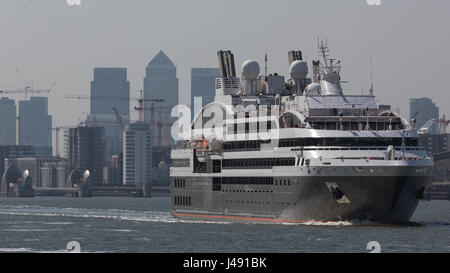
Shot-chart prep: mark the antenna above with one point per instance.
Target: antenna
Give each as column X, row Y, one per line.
column 323, row 50
column 265, row 62
column 371, row 74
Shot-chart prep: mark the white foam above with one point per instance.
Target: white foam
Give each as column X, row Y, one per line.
column 27, row 229
column 15, row 250
column 114, row 214
column 323, row 223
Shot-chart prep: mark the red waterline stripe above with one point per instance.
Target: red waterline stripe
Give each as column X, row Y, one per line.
column 247, row 218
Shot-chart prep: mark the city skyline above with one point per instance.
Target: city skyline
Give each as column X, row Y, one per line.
column 68, row 59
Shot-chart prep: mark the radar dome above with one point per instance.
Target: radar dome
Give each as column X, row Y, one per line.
column 250, row 69
column 298, row 70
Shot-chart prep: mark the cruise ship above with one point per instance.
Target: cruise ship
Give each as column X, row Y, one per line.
column 270, row 149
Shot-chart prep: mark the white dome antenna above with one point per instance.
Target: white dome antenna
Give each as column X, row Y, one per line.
column 250, row 73
column 298, row 70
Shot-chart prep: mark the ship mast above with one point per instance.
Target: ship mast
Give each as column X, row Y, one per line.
column 265, row 62
column 323, row 50
column 371, row 76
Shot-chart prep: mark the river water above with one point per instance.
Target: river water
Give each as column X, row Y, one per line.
column 103, row 224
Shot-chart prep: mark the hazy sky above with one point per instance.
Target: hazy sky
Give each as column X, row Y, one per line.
column 50, row 41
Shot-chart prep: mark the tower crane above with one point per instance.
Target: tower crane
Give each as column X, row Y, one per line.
column 27, row 88
column 140, row 101
column 443, row 123
column 163, row 122
column 119, row 119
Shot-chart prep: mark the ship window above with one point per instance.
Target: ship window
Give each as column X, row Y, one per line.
column 217, row 184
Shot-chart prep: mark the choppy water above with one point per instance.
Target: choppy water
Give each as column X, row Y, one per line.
column 47, row 224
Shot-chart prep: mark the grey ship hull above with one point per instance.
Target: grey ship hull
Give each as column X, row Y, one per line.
column 306, row 199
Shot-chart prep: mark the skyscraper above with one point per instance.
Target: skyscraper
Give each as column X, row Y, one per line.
column 203, row 85
column 423, row 109
column 161, row 82
column 8, row 112
column 110, row 83
column 35, row 124
column 110, row 89
column 137, row 157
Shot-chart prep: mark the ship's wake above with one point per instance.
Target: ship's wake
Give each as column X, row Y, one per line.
column 325, row 223
column 166, row 217
column 111, row 214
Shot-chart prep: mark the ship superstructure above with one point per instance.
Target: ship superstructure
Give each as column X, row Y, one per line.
column 296, row 150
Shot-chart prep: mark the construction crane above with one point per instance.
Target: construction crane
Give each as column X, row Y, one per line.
column 87, row 97
column 443, row 123
column 24, row 91
column 140, row 101
column 119, row 119
column 162, row 122
column 27, row 88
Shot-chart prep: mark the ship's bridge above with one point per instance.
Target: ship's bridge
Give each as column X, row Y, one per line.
column 356, row 113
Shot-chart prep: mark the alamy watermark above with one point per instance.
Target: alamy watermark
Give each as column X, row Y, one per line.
column 373, row 2
column 73, row 247
column 73, row 2
column 374, row 246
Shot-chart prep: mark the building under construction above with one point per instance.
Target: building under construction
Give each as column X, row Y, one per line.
column 86, row 150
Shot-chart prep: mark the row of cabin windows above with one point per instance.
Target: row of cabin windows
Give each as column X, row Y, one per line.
column 246, row 180
column 260, row 202
column 247, row 202
column 285, row 203
column 251, row 191
column 356, row 125
column 330, row 141
column 348, row 141
column 264, row 126
column 252, row 127
column 242, row 145
column 219, row 181
column 257, row 163
column 253, row 181
column 182, row 200
column 179, row 183
column 282, row 182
